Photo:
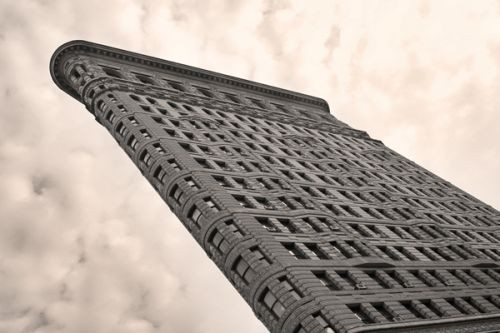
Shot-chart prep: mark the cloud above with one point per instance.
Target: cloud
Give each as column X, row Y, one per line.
column 87, row 246
column 332, row 42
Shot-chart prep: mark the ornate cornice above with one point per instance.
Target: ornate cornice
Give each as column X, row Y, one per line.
column 80, row 46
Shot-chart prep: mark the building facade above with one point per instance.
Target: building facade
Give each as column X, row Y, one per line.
column 320, row 227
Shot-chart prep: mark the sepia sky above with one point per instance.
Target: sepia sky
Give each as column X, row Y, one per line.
column 86, row 245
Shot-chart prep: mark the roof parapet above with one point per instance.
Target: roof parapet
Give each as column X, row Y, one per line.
column 169, row 66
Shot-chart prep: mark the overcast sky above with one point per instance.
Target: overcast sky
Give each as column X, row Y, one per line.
column 86, row 245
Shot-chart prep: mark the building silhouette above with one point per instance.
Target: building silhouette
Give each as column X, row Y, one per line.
column 320, row 227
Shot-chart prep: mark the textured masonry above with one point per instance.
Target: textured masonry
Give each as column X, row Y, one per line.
column 318, row 226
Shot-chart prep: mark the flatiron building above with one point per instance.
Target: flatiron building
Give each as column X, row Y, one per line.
column 319, row 227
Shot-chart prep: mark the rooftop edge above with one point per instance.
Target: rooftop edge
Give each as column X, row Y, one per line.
column 156, row 63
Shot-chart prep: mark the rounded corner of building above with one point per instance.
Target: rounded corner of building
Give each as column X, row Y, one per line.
column 54, row 65
column 326, row 106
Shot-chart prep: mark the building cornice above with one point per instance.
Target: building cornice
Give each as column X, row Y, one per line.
column 80, row 46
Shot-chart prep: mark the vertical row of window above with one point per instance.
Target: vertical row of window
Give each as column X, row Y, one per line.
column 396, row 213
column 332, row 250
column 217, row 240
column 272, row 304
column 230, row 97
column 340, row 280
column 422, row 232
column 427, row 253
column 220, row 150
column 243, row 270
column 257, row 183
column 319, row 320
column 476, row 236
column 231, row 166
column 275, row 203
column 195, row 215
column 354, row 248
column 76, row 74
column 177, row 194
column 381, row 312
column 160, row 173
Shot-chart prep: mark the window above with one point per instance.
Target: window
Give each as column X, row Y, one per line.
column 382, row 309
column 317, row 252
column 177, row 195
column 121, row 108
column 160, row 175
column 176, row 85
column 264, row 203
column 280, row 107
column 195, row 216
column 133, row 121
column 100, row 104
column 187, row 147
column 111, row 117
column 192, row 183
column 231, row 225
column 173, row 105
column 232, row 98
column 163, row 111
column 312, row 225
column 322, row 322
column 360, row 313
column 218, row 242
column 326, row 280
column 204, row 163
column 146, row 158
column 151, row 101
column 459, row 306
column 112, row 72
column 267, row 224
column 223, row 165
column 257, row 103
column 243, row 270
column 145, row 134
column 121, row 129
column 205, row 92
column 294, row 250
column 272, row 303
column 287, row 285
column 288, row 225
column 146, row 108
column 377, row 279
column 340, row 250
column 211, row 205
column 243, row 201
column 349, row 278
column 222, row 181
column 144, row 79
column 412, row 309
column 159, row 149
column 132, row 142
column 159, row 120
column 174, row 164
column 432, row 307
column 135, row 98
column 75, row 75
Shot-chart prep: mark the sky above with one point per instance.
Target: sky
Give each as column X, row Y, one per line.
column 86, row 244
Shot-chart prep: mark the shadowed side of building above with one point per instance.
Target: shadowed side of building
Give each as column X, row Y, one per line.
column 318, row 226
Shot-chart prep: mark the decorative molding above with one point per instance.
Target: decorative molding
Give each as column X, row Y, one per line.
column 156, row 64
